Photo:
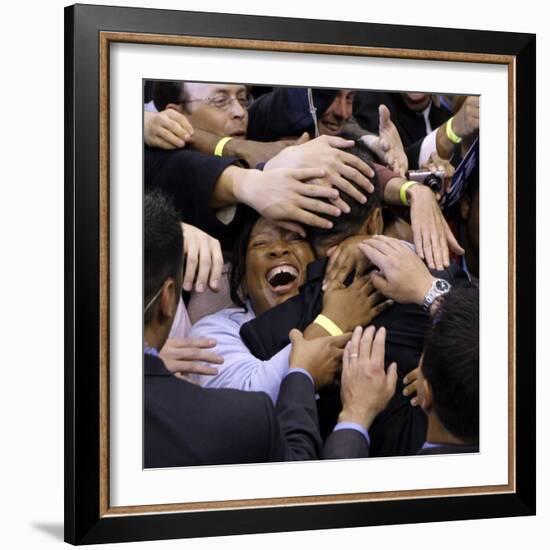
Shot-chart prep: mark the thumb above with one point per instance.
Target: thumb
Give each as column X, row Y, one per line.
column 391, row 378
column 304, row 138
column 378, row 281
column 295, row 336
column 383, row 116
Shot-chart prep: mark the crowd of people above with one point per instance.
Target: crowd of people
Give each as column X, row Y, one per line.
column 309, row 291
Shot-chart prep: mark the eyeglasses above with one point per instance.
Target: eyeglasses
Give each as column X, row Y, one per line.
column 223, row 101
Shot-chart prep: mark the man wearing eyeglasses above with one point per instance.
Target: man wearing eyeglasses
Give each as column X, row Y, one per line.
column 218, row 108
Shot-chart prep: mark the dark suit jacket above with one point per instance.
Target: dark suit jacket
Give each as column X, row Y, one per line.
column 398, row 430
column 345, row 444
column 189, row 178
column 409, row 124
column 188, row 425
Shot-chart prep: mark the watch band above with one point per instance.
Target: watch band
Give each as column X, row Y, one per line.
column 439, row 288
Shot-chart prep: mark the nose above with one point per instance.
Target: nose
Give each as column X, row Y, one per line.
column 279, row 249
column 343, row 107
column 236, row 109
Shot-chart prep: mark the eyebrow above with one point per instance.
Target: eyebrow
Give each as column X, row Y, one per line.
column 225, row 91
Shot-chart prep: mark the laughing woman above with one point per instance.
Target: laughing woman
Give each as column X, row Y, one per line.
column 272, row 263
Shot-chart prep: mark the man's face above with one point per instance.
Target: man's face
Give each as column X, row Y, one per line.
column 226, row 120
column 416, row 101
column 276, row 261
column 331, row 123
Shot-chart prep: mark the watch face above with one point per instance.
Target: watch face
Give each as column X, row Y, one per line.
column 442, row 285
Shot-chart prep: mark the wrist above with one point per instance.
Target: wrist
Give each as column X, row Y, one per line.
column 362, row 416
column 244, row 185
column 416, row 192
column 233, row 148
column 424, row 288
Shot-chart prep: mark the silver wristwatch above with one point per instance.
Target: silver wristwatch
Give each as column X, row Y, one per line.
column 439, row 288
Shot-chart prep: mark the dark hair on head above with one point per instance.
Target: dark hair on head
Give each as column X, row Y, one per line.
column 451, row 363
column 237, row 271
column 349, row 224
column 165, row 92
column 162, row 245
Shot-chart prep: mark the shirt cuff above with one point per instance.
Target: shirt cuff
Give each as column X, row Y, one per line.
column 303, row 371
column 353, row 426
column 429, row 145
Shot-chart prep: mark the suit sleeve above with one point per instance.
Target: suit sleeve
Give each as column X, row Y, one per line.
column 345, row 444
column 296, row 427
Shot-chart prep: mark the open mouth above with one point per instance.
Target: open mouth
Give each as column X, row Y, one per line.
column 282, row 278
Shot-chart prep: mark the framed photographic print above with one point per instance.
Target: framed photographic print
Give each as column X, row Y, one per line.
column 122, row 63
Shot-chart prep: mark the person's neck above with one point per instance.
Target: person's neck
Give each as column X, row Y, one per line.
column 437, row 434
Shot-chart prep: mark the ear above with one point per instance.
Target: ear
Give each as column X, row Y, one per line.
column 465, row 207
column 176, row 106
column 374, row 224
column 168, row 300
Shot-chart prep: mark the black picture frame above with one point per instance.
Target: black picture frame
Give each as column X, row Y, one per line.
column 85, row 523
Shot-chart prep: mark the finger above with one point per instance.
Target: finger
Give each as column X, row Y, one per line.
column 203, row 343
column 206, row 356
column 333, row 263
column 383, row 116
column 414, row 402
column 378, row 347
column 417, row 238
column 345, row 358
column 308, row 218
column 338, row 142
column 452, row 242
column 205, row 263
column 410, row 388
column 381, row 307
column 444, row 249
column 291, row 226
column 190, row 264
column 355, row 343
column 357, row 170
column 295, row 336
column 181, row 120
column 391, row 378
column 427, row 249
column 315, row 205
column 378, row 258
column 217, row 265
column 341, row 340
column 341, row 204
column 304, row 138
column 344, row 185
column 193, row 367
column 316, row 191
column 437, row 251
column 332, row 249
column 176, row 127
column 383, row 245
column 170, row 137
column 365, row 345
column 303, row 174
column 160, row 143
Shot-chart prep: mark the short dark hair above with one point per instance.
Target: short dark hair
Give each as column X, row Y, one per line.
column 165, row 92
column 451, row 363
column 349, row 224
column 162, row 245
column 237, row 271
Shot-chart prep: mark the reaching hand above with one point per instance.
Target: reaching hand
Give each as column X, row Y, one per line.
column 411, row 385
column 355, row 305
column 432, row 235
column 321, row 357
column 204, row 253
column 340, row 168
column 281, row 196
column 389, row 147
column 255, row 152
column 366, row 388
column 189, row 355
column 466, row 120
column 436, row 164
column 345, row 258
column 402, row 276
column 168, row 129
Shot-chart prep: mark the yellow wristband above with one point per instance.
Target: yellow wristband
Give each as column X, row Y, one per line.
column 403, row 192
column 332, row 328
column 218, row 150
column 451, row 133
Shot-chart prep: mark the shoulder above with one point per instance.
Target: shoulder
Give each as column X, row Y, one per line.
column 227, row 320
